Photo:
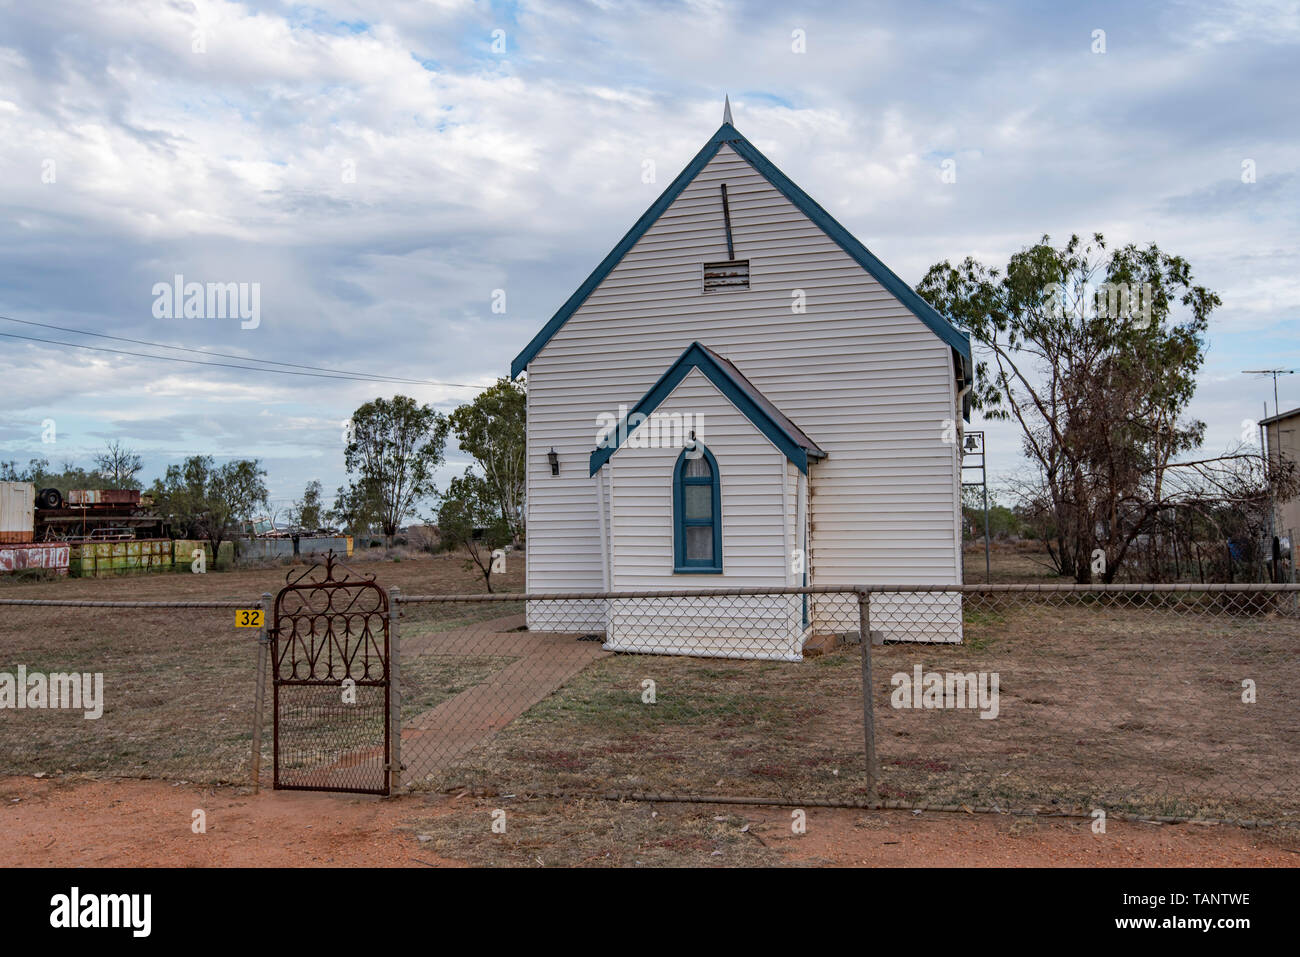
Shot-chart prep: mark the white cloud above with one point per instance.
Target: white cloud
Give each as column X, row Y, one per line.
column 475, row 172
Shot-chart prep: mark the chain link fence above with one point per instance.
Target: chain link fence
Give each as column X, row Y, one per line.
column 128, row 689
column 633, row 693
column 1161, row 701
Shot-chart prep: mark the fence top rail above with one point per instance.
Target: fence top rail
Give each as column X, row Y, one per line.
column 664, row 593
column 1177, row 587
column 1236, row 588
column 76, row 603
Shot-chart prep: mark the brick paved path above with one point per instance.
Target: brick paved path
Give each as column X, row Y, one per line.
column 543, row 663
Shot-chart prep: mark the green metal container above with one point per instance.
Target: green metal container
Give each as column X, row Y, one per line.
column 101, row 559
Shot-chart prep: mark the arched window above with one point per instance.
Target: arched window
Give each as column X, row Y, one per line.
column 697, row 512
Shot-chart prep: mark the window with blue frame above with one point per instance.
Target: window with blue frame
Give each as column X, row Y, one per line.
column 697, row 512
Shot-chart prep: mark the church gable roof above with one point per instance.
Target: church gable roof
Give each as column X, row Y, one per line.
column 727, row 134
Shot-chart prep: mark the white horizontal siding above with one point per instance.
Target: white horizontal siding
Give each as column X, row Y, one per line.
column 753, row 476
column 858, row 372
column 750, row 469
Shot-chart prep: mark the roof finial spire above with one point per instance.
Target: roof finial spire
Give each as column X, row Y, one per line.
column 726, row 110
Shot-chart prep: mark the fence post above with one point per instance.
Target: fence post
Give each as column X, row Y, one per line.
column 394, row 690
column 1295, row 598
column 263, row 640
column 868, row 689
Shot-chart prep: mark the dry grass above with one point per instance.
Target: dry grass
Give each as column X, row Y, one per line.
column 1105, row 705
column 1009, row 562
column 1131, row 708
column 420, row 574
column 716, row 726
column 178, row 683
column 595, row 833
column 178, row 692
column 1135, row 709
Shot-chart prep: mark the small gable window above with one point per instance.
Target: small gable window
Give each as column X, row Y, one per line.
column 697, row 512
column 733, row 274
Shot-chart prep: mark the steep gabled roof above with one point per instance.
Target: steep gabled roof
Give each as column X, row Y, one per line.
column 859, row 253
column 755, row 406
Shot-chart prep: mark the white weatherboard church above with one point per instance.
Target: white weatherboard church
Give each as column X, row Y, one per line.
column 738, row 381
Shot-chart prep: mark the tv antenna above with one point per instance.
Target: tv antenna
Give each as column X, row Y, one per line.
column 1274, row 373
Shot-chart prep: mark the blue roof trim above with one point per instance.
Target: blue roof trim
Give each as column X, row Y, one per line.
column 697, row 357
column 648, row 219
column 860, row 254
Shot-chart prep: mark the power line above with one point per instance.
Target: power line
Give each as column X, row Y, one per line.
column 316, row 371
column 343, row 373
column 227, row 355
column 196, row 362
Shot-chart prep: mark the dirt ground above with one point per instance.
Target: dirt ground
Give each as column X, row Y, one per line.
column 1118, row 705
column 1017, row 562
column 1096, row 710
column 181, row 706
column 178, row 683
column 419, row 574
column 72, row 823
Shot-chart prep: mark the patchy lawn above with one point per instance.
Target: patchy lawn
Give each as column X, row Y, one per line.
column 716, row 726
column 179, row 684
column 1130, row 705
column 1133, row 705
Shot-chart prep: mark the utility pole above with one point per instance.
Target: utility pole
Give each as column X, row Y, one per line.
column 1268, row 477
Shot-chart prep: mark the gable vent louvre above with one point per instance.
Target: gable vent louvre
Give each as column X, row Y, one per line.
column 733, row 274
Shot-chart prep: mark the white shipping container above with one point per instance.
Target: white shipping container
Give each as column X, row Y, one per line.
column 17, row 511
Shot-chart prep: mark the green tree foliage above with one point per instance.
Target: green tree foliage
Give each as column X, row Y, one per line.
column 356, row 509
column 307, row 511
column 396, row 446
column 1003, row 522
column 491, row 428
column 1098, row 389
column 203, row 500
column 65, row 478
column 470, row 518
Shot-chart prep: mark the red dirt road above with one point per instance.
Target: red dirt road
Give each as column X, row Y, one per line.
column 65, row 822
column 149, row 824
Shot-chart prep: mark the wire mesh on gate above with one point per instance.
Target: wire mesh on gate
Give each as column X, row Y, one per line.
column 330, row 673
column 748, row 694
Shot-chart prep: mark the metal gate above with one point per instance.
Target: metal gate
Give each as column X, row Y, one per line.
column 331, row 680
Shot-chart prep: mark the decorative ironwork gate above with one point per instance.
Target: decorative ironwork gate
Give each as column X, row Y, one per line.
column 331, row 679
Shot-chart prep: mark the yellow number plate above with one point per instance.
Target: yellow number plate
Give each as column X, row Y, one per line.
column 248, row 618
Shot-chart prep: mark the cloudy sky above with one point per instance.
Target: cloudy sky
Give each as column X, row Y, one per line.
column 380, row 169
